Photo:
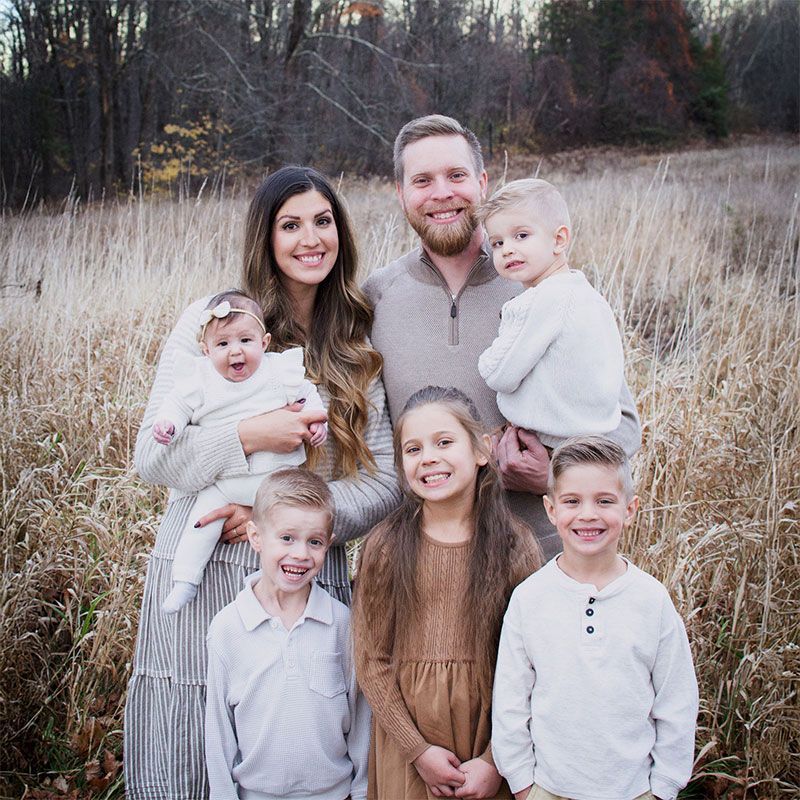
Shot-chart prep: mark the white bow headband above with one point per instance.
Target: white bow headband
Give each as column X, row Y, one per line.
column 221, row 311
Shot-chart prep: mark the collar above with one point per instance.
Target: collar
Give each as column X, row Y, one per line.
column 319, row 606
column 423, row 269
column 570, row 584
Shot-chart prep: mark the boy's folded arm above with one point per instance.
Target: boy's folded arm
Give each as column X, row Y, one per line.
column 675, row 707
column 512, row 747
column 220, row 732
column 521, row 342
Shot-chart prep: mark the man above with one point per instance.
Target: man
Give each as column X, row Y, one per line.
column 437, row 307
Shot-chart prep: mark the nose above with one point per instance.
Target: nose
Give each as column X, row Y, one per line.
column 429, row 456
column 309, row 235
column 587, row 511
column 300, row 550
column 441, row 188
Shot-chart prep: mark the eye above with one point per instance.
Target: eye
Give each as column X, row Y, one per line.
column 223, row 343
column 496, row 243
column 444, row 441
column 289, row 226
column 285, row 537
column 325, row 221
column 570, row 501
column 522, row 235
column 459, row 175
column 411, row 449
column 607, row 501
column 316, row 543
column 420, row 181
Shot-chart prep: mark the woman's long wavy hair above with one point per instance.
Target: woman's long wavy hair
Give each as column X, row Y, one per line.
column 338, row 355
column 495, row 561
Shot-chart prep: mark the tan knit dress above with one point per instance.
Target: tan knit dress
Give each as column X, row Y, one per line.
column 433, row 699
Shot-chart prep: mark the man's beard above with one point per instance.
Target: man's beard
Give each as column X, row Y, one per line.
column 445, row 240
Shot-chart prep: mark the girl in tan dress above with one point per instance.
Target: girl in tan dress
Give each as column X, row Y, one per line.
column 433, row 583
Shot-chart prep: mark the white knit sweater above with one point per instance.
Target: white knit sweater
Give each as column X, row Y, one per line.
column 557, row 363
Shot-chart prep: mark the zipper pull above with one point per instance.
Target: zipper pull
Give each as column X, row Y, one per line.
column 453, row 310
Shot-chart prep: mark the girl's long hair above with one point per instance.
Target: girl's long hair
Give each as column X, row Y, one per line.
column 495, row 566
column 338, row 355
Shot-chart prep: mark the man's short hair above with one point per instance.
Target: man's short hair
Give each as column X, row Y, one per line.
column 598, row 450
column 433, row 125
column 545, row 201
column 296, row 487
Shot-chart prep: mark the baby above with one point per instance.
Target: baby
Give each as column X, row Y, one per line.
column 557, row 363
column 234, row 379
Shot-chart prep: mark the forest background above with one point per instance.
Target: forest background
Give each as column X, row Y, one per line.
column 97, row 96
column 132, row 134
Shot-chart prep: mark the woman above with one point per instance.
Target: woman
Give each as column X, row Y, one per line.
column 300, row 264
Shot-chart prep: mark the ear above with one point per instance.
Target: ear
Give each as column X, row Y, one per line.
column 549, row 508
column 561, row 239
column 483, row 459
column 631, row 509
column 204, row 347
column 483, row 182
column 398, row 187
column 253, row 536
column 265, row 340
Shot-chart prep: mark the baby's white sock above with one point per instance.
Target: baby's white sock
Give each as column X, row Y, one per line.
column 182, row 593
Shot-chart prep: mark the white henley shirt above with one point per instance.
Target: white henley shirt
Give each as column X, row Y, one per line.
column 595, row 695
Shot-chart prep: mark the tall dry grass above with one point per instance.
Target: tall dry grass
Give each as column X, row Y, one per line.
column 698, row 254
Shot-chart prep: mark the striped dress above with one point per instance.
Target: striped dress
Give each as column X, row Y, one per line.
column 165, row 709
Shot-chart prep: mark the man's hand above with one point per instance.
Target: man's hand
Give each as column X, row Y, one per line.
column 439, row 768
column 482, row 780
column 163, row 431
column 522, row 459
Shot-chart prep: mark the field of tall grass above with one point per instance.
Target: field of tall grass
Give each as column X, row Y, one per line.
column 698, row 254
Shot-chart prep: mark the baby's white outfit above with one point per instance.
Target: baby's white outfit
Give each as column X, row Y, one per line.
column 557, row 363
column 201, row 396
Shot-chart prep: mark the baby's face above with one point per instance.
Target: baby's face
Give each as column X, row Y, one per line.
column 235, row 346
column 524, row 247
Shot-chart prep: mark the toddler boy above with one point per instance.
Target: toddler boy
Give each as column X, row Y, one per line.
column 595, row 696
column 557, row 363
column 284, row 717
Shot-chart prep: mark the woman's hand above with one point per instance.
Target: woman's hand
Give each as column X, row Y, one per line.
column 482, row 780
column 236, row 518
column 279, row 431
column 439, row 768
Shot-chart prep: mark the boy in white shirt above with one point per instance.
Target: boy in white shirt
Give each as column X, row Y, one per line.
column 557, row 362
column 595, row 695
column 284, row 716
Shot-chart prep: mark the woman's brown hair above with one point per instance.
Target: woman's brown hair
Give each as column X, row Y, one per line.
column 338, row 355
column 496, row 564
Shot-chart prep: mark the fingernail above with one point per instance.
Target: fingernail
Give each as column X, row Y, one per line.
column 197, row 524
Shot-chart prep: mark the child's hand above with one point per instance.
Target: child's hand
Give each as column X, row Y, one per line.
column 483, row 780
column 522, row 794
column 438, row 767
column 163, row 431
column 319, row 433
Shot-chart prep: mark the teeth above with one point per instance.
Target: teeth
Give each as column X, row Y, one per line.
column 445, row 214
column 295, row 570
column 589, row 534
column 309, row 259
column 439, row 476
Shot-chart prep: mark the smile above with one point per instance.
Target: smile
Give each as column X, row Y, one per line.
column 445, row 216
column 588, row 534
column 436, row 478
column 293, row 572
column 311, row 259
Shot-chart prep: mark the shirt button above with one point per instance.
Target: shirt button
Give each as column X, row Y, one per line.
column 589, row 612
column 589, row 629
column 591, row 600
column 274, row 623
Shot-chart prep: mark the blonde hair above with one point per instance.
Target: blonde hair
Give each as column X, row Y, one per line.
column 540, row 196
column 433, row 125
column 597, row 450
column 293, row 487
column 338, row 355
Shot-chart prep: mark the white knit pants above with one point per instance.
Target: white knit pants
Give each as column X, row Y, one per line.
column 197, row 544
